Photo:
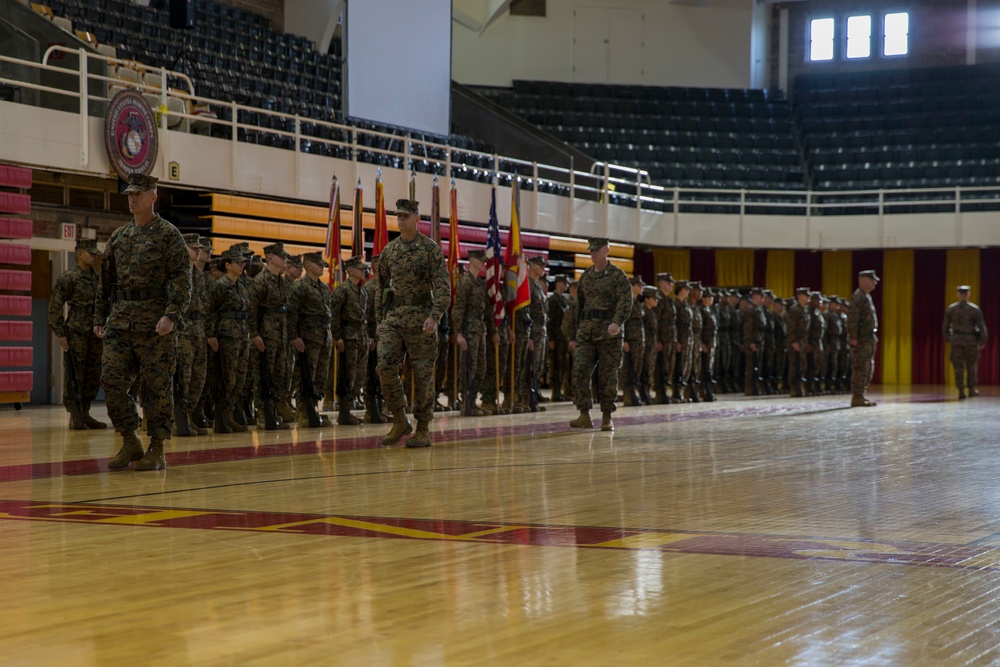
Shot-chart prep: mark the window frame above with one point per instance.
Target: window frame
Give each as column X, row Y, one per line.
column 809, row 39
column 847, row 38
column 883, row 40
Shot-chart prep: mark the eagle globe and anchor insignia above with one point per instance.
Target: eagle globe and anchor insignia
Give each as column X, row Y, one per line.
column 130, row 134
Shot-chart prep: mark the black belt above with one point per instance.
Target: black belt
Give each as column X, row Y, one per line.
column 418, row 300
column 233, row 315
column 273, row 310
column 594, row 314
column 141, row 294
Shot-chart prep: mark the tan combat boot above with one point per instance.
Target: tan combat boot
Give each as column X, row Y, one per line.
column 131, row 451
column 154, row 458
column 400, row 427
column 606, row 423
column 489, row 407
column 344, row 416
column 234, row 424
column 89, row 421
column 286, row 411
column 859, row 401
column 422, row 438
column 583, row 421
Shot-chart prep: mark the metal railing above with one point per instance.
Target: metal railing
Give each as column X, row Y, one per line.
column 607, row 183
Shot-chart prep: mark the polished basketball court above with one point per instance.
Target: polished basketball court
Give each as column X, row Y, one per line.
column 766, row 531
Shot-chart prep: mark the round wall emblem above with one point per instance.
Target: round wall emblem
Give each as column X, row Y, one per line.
column 130, row 135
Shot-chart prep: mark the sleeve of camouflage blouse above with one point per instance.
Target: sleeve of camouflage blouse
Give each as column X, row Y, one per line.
column 56, row 300
column 109, row 276
column 178, row 275
column 623, row 292
column 440, row 284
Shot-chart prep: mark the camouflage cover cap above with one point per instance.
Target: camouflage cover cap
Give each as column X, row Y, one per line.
column 478, row 254
column 276, row 249
column 140, row 183
column 596, row 243
column 964, row 289
column 769, row 293
column 680, row 285
column 356, row 262
column 537, row 259
column 637, row 280
column 206, row 243
column 560, row 278
column 232, row 256
column 754, row 291
column 648, row 292
column 296, row 261
column 801, row 290
column 815, row 294
column 661, row 277
column 192, row 241
column 242, row 248
column 315, row 258
column 695, row 285
column 90, row 245
column 410, row 206
column 869, row 273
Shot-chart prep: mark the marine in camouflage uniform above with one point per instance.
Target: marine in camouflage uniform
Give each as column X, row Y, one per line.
column 633, row 346
column 539, row 324
column 666, row 336
column 226, row 313
column 413, row 294
column 650, row 298
column 294, row 270
column 309, row 331
column 965, row 329
column 724, row 335
column 369, row 379
column 844, row 361
column 192, row 349
column 604, row 305
column 268, row 329
column 205, row 401
column 754, row 324
column 797, row 322
column 780, row 345
column 347, row 325
column 693, row 393
column 862, row 331
column 684, row 347
column 78, row 288
column 831, row 344
column 243, row 397
column 814, row 348
column 472, row 320
column 145, row 288
column 769, row 358
column 559, row 372
column 709, row 340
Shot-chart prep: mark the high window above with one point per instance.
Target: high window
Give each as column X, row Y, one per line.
column 821, row 39
column 896, row 34
column 859, row 36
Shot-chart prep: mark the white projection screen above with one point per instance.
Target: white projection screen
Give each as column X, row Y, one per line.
column 398, row 56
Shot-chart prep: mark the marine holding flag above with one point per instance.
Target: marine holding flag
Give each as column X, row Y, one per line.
column 498, row 347
column 518, row 299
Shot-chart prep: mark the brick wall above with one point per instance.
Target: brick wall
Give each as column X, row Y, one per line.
column 274, row 10
column 938, row 34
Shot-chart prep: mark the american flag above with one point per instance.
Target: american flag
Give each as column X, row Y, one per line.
column 495, row 269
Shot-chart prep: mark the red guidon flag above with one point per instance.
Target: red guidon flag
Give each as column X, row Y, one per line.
column 518, row 291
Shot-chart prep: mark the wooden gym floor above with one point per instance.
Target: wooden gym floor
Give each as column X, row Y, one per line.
column 766, row 531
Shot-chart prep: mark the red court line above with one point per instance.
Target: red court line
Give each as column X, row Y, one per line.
column 927, row 554
column 74, row 467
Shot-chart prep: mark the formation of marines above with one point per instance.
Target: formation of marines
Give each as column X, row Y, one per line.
column 239, row 342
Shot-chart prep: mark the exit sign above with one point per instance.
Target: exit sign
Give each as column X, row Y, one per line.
column 68, row 230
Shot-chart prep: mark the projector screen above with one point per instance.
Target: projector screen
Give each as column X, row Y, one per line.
column 398, row 69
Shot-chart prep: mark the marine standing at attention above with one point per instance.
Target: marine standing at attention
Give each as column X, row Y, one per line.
column 862, row 332
column 965, row 329
column 604, row 303
column 145, row 288
column 413, row 293
column 78, row 287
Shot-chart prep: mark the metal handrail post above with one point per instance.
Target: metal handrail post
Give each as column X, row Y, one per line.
column 84, row 119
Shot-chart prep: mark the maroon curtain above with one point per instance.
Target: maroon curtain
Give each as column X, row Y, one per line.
column 760, row 269
column 862, row 260
column 808, row 269
column 928, row 312
column 703, row 266
column 989, row 300
column 642, row 265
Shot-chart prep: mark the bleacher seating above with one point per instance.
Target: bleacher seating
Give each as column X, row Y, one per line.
column 235, row 55
column 907, row 128
column 686, row 137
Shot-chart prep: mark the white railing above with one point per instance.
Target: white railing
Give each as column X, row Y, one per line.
column 607, row 183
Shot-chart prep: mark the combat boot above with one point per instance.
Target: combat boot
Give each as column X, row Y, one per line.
column 286, row 411
column 973, row 392
column 234, row 425
column 859, row 401
column 154, row 458
column 344, row 417
column 198, row 417
column 195, row 428
column 961, row 394
column 644, row 395
column 238, row 416
column 400, row 427
column 694, row 392
column 583, row 421
column 89, row 421
column 131, row 450
column 606, row 422
column 489, row 407
column 422, row 438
